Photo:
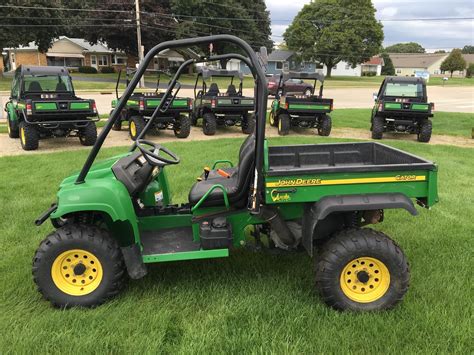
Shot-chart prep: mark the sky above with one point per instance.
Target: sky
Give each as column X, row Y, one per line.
column 431, row 35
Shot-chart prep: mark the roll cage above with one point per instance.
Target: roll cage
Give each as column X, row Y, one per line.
column 261, row 95
column 206, row 73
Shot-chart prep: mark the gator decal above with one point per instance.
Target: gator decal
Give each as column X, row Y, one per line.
column 318, row 182
column 79, row 106
column 309, row 107
column 279, row 196
column 420, row 107
column 46, row 106
column 393, row 106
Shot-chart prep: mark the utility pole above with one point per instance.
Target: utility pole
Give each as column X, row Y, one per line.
column 139, row 41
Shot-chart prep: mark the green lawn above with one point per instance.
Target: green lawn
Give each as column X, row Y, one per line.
column 249, row 302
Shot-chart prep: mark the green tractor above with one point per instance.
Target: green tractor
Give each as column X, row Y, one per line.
column 115, row 217
column 141, row 105
column 401, row 105
column 295, row 110
column 227, row 108
column 43, row 104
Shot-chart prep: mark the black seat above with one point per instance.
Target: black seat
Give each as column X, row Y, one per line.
column 213, row 90
column 35, row 87
column 236, row 186
column 61, row 87
column 231, row 91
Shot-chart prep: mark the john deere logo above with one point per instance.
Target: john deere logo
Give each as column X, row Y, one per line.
column 279, row 197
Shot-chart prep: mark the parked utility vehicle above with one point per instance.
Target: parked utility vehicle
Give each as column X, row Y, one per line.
column 401, row 105
column 43, row 104
column 141, row 105
column 117, row 216
column 226, row 108
column 291, row 109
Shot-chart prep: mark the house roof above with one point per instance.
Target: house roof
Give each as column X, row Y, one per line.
column 375, row 61
column 415, row 60
column 279, row 55
column 99, row 47
column 469, row 58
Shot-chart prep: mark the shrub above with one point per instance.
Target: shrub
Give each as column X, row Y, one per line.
column 369, row 73
column 470, row 71
column 87, row 70
column 107, row 70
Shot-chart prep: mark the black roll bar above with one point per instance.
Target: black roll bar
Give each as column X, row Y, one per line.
column 261, row 95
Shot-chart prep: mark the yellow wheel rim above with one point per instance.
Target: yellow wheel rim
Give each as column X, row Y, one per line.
column 8, row 127
column 133, row 129
column 279, row 124
column 365, row 279
column 22, row 135
column 272, row 118
column 77, row 272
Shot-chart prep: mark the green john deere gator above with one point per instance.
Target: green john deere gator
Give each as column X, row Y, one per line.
column 43, row 104
column 141, row 105
column 115, row 217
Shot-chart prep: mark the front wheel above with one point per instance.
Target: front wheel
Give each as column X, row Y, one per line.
column 272, row 119
column 78, row 266
column 361, row 270
column 13, row 129
column 182, row 126
column 325, row 125
column 88, row 134
column 377, row 127
column 283, row 124
column 136, row 125
column 29, row 136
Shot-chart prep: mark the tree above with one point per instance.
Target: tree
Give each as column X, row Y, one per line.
column 329, row 31
column 247, row 19
column 470, row 70
column 453, row 62
column 21, row 26
column 410, row 47
column 467, row 50
column 388, row 68
column 440, row 51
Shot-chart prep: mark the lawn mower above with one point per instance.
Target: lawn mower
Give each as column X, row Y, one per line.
column 43, row 104
column 401, row 105
column 216, row 108
column 115, row 217
column 290, row 109
column 141, row 105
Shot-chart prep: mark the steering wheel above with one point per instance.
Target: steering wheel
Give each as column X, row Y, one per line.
column 152, row 154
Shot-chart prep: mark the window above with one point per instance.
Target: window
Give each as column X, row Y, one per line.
column 119, row 60
column 348, row 66
column 279, row 65
column 103, row 60
column 93, row 60
column 13, row 57
column 404, row 89
column 47, row 83
column 399, row 71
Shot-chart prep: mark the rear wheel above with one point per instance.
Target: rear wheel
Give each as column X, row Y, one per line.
column 307, row 92
column 136, row 125
column 283, row 124
column 182, row 127
column 29, row 136
column 194, row 119
column 361, row 270
column 272, row 119
column 248, row 123
column 13, row 129
column 88, row 134
column 425, row 129
column 377, row 127
column 325, row 125
column 209, row 124
column 78, row 266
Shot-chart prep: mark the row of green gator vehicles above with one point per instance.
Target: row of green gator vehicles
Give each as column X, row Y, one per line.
column 114, row 218
column 43, row 104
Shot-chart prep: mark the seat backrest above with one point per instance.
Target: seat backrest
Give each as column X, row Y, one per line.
column 246, row 162
column 61, row 86
column 35, row 87
column 231, row 91
column 213, row 90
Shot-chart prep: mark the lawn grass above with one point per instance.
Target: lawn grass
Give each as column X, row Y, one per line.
column 249, row 302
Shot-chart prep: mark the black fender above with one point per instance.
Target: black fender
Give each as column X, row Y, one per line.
column 319, row 210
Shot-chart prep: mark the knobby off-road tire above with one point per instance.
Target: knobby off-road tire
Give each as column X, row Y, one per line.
column 78, row 265
column 88, row 134
column 248, row 123
column 283, row 124
column 325, row 125
column 182, row 127
column 117, row 126
column 272, row 119
column 425, row 130
column 209, row 124
column 13, row 129
column 194, row 119
column 136, row 124
column 29, row 136
column 378, row 127
column 361, row 270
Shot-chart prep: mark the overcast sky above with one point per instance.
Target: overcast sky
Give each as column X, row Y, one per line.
column 430, row 34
